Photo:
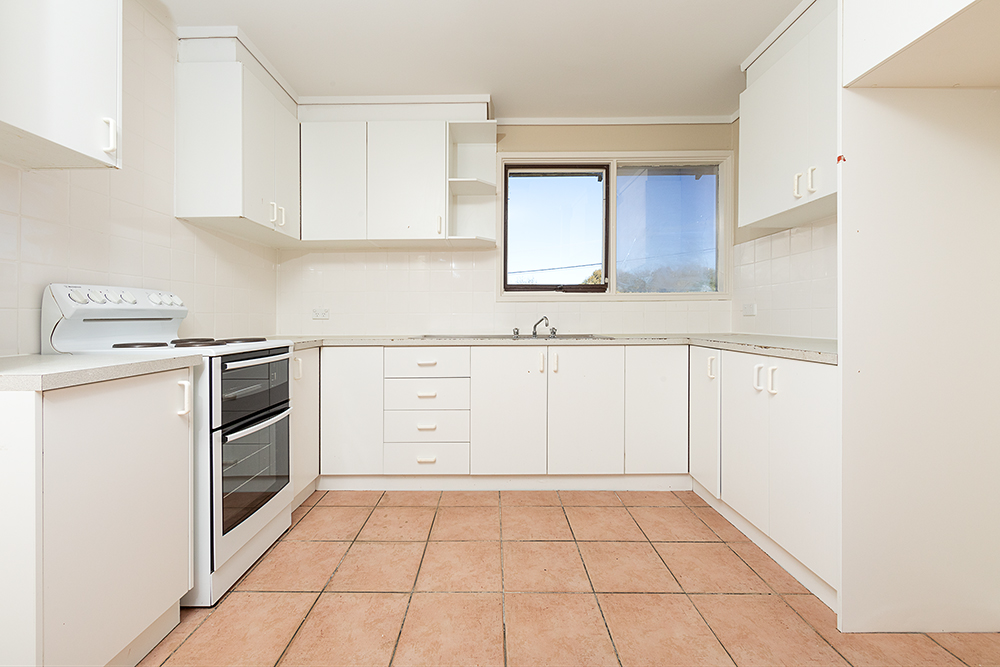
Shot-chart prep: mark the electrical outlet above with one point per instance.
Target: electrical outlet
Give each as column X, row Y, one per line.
column 749, row 309
column 321, row 313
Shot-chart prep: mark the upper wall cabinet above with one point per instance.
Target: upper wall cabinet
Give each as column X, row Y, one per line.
column 788, row 126
column 61, row 77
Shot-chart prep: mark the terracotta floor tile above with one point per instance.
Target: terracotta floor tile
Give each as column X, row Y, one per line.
column 726, row 531
column 973, row 648
column 398, row 523
column 466, row 523
column 627, row 567
column 672, row 524
column 767, row 569
column 297, row 515
column 649, row 499
column 543, row 567
column 378, row 567
column 590, row 499
column 761, row 630
column 313, row 498
column 452, row 629
column 351, row 498
column 295, row 566
column 460, row 566
column 691, row 499
column 660, row 631
column 330, row 523
column 529, row 498
column 347, row 629
column 872, row 649
column 247, row 629
column 604, row 524
column 562, row 630
column 410, row 499
column 534, row 523
column 470, row 499
column 191, row 618
column 705, row 567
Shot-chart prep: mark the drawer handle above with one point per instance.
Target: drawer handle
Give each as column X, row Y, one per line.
column 427, row 394
column 427, row 363
column 427, row 427
column 427, row 459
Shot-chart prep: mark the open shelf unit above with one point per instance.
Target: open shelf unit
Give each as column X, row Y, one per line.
column 472, row 180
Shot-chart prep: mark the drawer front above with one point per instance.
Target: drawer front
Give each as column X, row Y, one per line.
column 427, row 394
column 426, row 362
column 426, row 426
column 426, row 458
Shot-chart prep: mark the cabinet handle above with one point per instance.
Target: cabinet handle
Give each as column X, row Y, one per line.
column 427, row 459
column 541, row 362
column 439, row 224
column 427, row 363
column 186, row 386
column 282, row 210
column 298, row 368
column 555, row 362
column 427, row 427
column 810, row 186
column 112, row 135
column 274, row 211
column 756, row 377
column 427, row 394
column 795, row 186
column 711, row 375
column 770, row 380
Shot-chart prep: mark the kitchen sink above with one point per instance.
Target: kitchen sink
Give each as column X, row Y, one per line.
column 510, row 337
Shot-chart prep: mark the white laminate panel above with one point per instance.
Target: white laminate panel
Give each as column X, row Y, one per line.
column 426, row 426
column 427, row 394
column 351, row 413
column 426, row 458
column 705, row 410
column 402, row 362
column 656, row 409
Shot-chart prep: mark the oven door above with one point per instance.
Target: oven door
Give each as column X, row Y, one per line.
column 250, row 475
column 245, row 384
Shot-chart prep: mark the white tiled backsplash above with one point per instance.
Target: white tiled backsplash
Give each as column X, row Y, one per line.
column 792, row 278
column 107, row 226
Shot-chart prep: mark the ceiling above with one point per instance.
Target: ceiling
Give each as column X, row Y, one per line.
column 660, row 60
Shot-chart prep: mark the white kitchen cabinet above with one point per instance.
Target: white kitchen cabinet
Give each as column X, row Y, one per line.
column 472, row 179
column 97, row 563
column 586, row 421
column 705, row 405
column 745, row 436
column 61, row 76
column 406, row 179
column 656, row 409
column 788, row 125
column 509, row 390
column 351, row 413
column 237, row 152
column 304, row 421
column 334, row 180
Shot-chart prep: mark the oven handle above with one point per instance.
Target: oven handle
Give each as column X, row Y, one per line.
column 255, row 362
column 256, row 427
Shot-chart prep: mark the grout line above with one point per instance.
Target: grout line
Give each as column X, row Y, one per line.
column 927, row 634
column 818, row 633
column 503, row 591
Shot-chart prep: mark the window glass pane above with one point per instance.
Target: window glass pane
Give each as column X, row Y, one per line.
column 667, row 229
column 555, row 227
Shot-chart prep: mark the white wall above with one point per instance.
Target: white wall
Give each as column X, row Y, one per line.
column 792, row 277
column 115, row 226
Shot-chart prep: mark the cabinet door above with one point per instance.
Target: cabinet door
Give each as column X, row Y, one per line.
column 745, row 436
column 305, row 419
column 334, row 181
column 586, row 410
column 407, row 180
column 804, row 464
column 819, row 143
column 351, row 413
column 508, row 399
column 656, row 409
column 117, row 513
column 259, row 202
column 706, row 418
column 60, row 72
column 286, row 169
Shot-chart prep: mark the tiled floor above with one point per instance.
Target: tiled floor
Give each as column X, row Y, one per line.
column 526, row 578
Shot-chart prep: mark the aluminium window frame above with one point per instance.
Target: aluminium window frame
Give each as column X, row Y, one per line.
column 725, row 210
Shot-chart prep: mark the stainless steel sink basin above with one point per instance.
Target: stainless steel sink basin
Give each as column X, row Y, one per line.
column 510, row 337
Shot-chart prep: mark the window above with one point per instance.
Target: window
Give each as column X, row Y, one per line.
column 661, row 220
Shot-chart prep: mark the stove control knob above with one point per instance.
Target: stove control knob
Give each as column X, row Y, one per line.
column 96, row 297
column 78, row 296
column 127, row 297
column 112, row 297
column 168, row 300
column 177, row 301
column 155, row 299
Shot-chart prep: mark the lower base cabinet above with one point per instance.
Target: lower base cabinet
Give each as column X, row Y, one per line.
column 305, row 419
column 705, row 418
column 351, row 387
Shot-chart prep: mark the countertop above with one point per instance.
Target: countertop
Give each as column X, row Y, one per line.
column 42, row 372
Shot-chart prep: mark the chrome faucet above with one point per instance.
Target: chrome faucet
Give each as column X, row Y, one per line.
column 534, row 329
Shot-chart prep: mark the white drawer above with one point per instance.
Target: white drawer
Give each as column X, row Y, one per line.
column 427, row 394
column 425, row 362
column 426, row 426
column 426, row 458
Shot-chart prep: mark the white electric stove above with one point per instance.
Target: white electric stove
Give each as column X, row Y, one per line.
column 241, row 407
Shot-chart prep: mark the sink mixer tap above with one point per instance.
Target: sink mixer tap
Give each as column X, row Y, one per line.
column 534, row 329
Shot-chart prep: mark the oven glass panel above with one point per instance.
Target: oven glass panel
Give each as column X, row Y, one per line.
column 254, row 469
column 247, row 391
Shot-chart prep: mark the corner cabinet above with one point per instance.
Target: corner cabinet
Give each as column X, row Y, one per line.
column 61, row 76
column 304, row 422
column 351, row 387
column 788, row 126
column 705, row 418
